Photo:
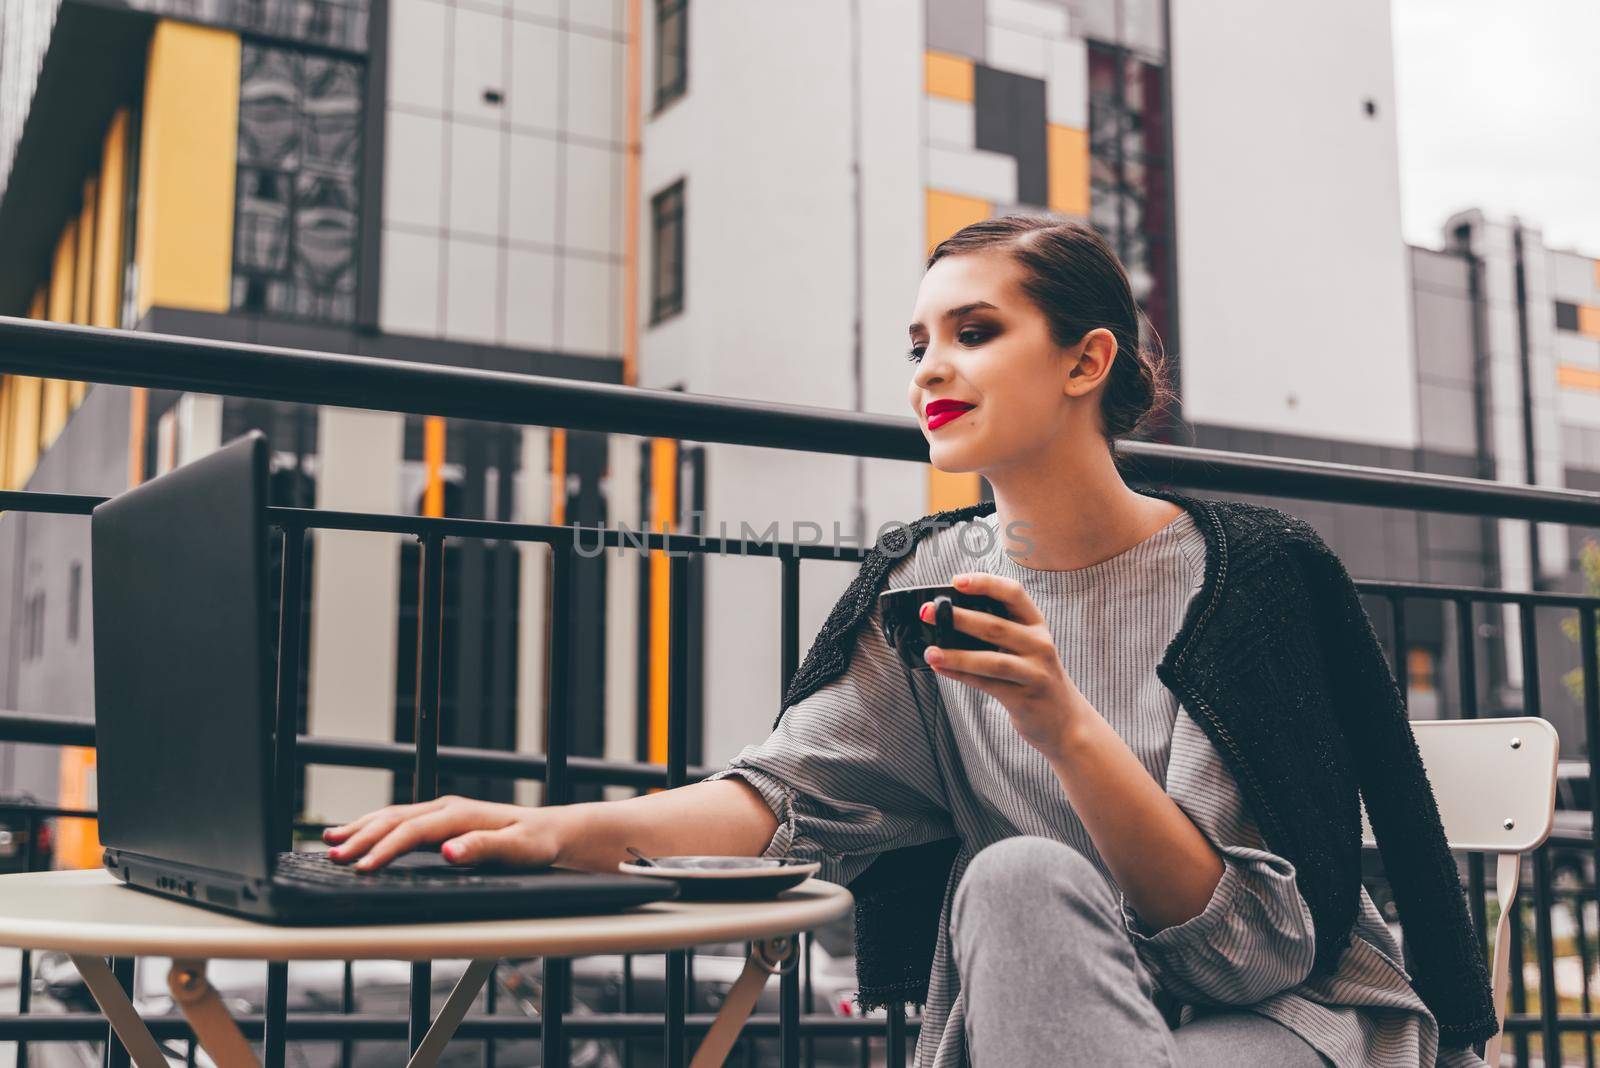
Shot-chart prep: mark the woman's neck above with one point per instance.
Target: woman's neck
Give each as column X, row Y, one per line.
column 1062, row 516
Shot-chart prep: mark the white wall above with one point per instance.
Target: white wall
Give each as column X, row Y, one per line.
column 763, row 138
column 502, row 221
column 1291, row 265
column 355, row 589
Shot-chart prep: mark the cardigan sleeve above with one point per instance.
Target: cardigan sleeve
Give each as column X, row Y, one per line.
column 850, row 770
column 1446, row 958
column 1255, row 937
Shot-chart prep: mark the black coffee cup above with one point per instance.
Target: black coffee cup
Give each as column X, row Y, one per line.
column 907, row 633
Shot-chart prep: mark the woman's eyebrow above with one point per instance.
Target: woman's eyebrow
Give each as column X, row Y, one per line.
column 956, row 312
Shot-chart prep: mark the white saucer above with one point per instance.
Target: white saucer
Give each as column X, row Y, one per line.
column 725, row 877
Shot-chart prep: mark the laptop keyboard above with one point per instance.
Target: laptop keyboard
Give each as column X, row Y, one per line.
column 412, row 869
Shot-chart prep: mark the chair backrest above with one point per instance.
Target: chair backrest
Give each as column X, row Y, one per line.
column 1494, row 781
column 1485, row 772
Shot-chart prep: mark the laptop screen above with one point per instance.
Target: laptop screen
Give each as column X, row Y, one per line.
column 183, row 676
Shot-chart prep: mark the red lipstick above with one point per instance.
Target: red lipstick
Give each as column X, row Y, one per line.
column 940, row 412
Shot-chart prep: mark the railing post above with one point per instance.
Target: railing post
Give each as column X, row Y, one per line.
column 286, row 727
column 1591, row 721
column 789, row 981
column 425, row 772
column 1467, row 682
column 1544, row 942
column 897, row 1034
column 677, row 774
column 557, row 789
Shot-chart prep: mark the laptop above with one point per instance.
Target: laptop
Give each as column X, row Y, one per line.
column 184, row 712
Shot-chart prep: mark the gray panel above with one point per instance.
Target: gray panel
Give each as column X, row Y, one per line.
column 1448, row 533
column 1455, row 569
column 1460, row 464
column 1448, row 417
column 1444, row 337
column 1009, row 110
column 956, row 26
column 1402, row 534
column 1444, row 271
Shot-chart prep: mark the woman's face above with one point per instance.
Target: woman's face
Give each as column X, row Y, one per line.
column 977, row 339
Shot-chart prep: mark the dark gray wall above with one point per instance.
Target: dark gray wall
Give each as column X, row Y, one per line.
column 36, row 556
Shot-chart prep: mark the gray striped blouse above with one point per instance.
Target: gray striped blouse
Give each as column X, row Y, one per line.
column 880, row 758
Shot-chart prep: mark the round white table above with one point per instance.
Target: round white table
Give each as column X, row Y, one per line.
column 89, row 915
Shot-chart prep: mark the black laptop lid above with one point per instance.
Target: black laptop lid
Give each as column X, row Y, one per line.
column 181, row 664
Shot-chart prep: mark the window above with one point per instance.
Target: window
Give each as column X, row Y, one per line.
column 1128, row 171
column 1566, row 316
column 666, row 262
column 672, row 50
column 33, row 626
column 74, row 596
column 297, row 210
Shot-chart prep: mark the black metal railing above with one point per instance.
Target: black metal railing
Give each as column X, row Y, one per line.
column 28, row 347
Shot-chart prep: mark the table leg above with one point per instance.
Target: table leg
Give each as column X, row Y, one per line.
column 455, row 1008
column 767, row 957
column 113, row 1001
column 208, row 1017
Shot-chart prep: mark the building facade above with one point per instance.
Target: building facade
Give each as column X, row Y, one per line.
column 732, row 198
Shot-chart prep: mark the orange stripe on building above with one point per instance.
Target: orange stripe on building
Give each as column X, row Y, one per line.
column 947, row 75
column 663, row 518
column 1571, row 376
column 433, row 437
column 1589, row 320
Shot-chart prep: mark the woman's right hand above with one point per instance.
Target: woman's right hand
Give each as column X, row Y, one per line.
column 468, row 832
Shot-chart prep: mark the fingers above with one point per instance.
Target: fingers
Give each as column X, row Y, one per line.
column 994, row 667
column 511, row 844
column 1008, row 592
column 995, row 687
column 426, row 829
column 986, row 626
column 387, row 821
column 336, row 834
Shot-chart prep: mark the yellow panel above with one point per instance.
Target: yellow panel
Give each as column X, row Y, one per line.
column 54, row 411
column 947, row 76
column 138, row 415
column 1589, row 320
column 951, row 490
column 83, row 256
column 8, row 416
column 106, row 306
column 1597, row 274
column 949, row 212
column 61, row 274
column 41, row 302
column 1069, row 170
column 186, row 168
column 24, row 429
column 1572, row 376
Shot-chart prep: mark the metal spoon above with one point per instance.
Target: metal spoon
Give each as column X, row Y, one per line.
column 644, row 861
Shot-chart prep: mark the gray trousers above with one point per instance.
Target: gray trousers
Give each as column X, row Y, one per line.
column 1050, row 977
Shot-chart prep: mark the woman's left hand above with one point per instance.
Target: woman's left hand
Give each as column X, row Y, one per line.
column 1025, row 674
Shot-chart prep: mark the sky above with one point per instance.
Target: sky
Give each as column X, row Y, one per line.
column 1498, row 107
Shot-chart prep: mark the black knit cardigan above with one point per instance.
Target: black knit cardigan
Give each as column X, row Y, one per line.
column 1278, row 663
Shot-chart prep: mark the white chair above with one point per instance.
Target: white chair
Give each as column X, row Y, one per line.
column 1495, row 784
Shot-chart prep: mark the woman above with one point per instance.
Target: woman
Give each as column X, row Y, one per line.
column 1113, row 899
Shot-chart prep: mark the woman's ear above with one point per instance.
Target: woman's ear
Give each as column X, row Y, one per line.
column 1094, row 355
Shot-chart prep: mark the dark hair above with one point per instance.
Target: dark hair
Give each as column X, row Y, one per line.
column 1074, row 278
